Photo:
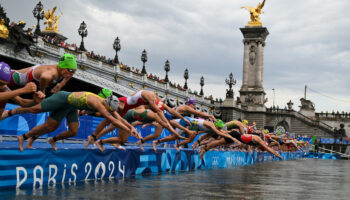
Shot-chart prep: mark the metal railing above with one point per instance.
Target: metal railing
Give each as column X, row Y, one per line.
column 335, row 152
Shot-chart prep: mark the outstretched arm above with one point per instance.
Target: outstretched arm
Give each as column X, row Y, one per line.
column 126, row 123
column 176, row 114
column 213, row 128
column 7, row 94
column 199, row 113
column 60, row 85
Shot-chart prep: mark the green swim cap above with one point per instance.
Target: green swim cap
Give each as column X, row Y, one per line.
column 105, row 92
column 219, row 123
column 67, row 61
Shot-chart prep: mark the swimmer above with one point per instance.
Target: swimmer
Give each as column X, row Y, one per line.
column 45, row 75
column 7, row 94
column 65, row 104
column 245, row 138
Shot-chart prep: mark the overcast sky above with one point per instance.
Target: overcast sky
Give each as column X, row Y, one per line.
column 308, row 42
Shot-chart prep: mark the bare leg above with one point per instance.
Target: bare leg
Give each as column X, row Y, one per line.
column 34, row 109
column 49, row 126
column 97, row 133
column 211, row 145
column 156, row 135
column 122, row 138
column 73, row 128
column 187, row 140
column 200, row 139
column 258, row 140
column 30, row 142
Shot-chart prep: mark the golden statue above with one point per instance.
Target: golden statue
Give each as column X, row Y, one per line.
column 254, row 14
column 52, row 20
column 4, row 32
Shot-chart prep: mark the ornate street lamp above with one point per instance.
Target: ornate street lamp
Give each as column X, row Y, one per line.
column 83, row 33
column 144, row 59
column 230, row 82
column 186, row 77
column 116, row 47
column 167, row 69
column 202, row 84
column 38, row 13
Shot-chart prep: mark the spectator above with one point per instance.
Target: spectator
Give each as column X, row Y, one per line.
column 341, row 132
column 335, row 133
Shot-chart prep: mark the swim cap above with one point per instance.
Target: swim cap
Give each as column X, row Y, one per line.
column 245, row 122
column 190, row 101
column 67, row 61
column 219, row 123
column 168, row 115
column 5, row 72
column 112, row 102
column 105, row 92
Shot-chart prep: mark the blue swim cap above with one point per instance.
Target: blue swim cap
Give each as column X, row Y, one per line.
column 168, row 115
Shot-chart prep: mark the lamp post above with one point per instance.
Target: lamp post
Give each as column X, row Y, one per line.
column 116, row 47
column 273, row 102
column 144, row 60
column 202, row 84
column 230, row 82
column 39, row 15
column 167, row 69
column 83, row 33
column 186, row 77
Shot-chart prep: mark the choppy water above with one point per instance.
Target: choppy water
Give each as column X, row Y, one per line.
column 298, row 179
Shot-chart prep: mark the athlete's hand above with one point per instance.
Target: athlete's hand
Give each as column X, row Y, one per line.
column 29, row 88
column 57, row 88
column 135, row 133
column 212, row 118
column 38, row 96
column 188, row 122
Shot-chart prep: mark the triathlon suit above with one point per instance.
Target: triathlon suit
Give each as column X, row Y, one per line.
column 135, row 101
column 268, row 137
column 21, row 79
column 132, row 116
column 197, row 125
column 65, row 104
column 242, row 138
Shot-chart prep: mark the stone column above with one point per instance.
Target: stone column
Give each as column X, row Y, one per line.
column 252, row 93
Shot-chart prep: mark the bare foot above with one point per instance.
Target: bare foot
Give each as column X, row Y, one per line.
column 118, row 146
column 100, row 145
column 5, row 114
column 177, row 147
column 53, row 143
column 30, row 143
column 140, row 145
column 278, row 155
column 194, row 145
column 154, row 144
column 90, row 141
column 20, row 142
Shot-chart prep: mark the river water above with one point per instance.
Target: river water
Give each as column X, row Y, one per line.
column 296, row 179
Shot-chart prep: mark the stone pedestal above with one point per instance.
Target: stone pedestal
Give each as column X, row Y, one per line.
column 229, row 102
column 252, row 93
column 54, row 34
